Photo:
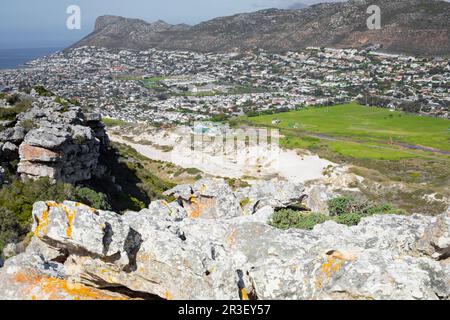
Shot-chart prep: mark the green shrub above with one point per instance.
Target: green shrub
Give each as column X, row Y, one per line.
column 287, row 218
column 9, row 227
column 28, row 124
column 136, row 204
column 349, row 219
column 94, row 199
column 42, row 91
column 19, row 197
column 342, row 205
column 344, row 210
column 346, row 205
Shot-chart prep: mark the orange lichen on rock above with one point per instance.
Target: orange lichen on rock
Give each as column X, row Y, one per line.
column 328, row 268
column 42, row 223
column 244, row 295
column 70, row 214
column 168, row 296
column 195, row 208
column 41, row 287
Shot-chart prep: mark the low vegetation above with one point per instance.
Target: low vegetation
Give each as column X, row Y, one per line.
column 17, row 107
column 114, row 122
column 133, row 173
column 343, row 210
column 9, row 227
column 42, row 91
column 17, row 199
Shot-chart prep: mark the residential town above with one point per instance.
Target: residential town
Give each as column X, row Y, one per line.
column 180, row 87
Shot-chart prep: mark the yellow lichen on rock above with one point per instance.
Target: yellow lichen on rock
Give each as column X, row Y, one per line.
column 244, row 295
column 168, row 296
column 42, row 224
column 327, row 269
column 70, row 214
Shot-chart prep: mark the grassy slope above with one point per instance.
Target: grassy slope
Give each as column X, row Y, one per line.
column 369, row 138
column 362, row 132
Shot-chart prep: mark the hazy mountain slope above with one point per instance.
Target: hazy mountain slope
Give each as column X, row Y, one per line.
column 410, row 26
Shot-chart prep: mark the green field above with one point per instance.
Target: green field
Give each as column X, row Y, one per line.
column 153, row 82
column 361, row 132
column 382, row 146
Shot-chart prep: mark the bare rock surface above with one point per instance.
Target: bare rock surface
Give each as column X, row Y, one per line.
column 166, row 252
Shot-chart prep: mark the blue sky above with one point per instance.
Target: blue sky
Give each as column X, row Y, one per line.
column 42, row 23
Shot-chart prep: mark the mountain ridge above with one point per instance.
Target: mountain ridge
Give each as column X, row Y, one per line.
column 408, row 26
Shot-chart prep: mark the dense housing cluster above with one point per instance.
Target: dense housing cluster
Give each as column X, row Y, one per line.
column 180, row 86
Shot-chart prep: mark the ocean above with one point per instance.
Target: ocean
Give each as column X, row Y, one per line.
column 14, row 58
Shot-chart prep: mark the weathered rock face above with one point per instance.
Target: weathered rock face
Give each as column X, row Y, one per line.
column 55, row 141
column 211, row 199
column 168, row 253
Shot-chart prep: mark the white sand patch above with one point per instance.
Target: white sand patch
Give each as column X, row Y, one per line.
column 289, row 165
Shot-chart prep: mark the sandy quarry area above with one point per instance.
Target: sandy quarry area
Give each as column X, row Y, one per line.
column 242, row 162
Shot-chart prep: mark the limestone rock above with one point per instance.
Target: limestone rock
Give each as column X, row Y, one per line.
column 10, row 250
column 317, row 199
column 13, row 135
column 48, row 137
column 207, row 199
column 277, row 194
column 436, row 239
column 62, row 144
column 162, row 252
column 38, row 154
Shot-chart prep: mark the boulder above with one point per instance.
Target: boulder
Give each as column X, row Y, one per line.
column 161, row 252
column 276, row 194
column 436, row 239
column 51, row 138
column 207, row 199
column 317, row 200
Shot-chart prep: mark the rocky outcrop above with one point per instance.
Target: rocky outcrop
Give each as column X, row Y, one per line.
column 167, row 252
column 55, row 141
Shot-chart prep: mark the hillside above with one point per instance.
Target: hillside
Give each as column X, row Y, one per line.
column 408, row 26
